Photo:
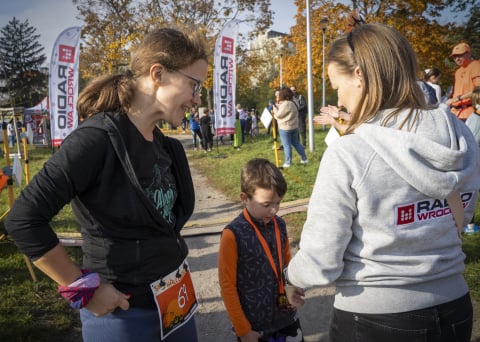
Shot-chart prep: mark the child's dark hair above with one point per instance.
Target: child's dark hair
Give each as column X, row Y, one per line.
column 429, row 73
column 261, row 173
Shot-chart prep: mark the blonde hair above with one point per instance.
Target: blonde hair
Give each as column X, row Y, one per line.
column 169, row 47
column 389, row 69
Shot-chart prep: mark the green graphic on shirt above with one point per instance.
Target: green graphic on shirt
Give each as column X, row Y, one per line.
column 163, row 192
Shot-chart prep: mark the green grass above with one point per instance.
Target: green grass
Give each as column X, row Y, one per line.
column 33, row 311
column 471, row 247
column 225, row 172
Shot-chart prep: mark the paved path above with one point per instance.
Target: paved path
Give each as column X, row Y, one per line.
column 212, row 211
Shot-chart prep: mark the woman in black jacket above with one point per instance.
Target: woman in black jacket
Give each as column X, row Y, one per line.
column 131, row 191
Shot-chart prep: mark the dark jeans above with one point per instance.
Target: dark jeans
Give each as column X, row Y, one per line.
column 293, row 333
column 242, row 125
column 302, row 129
column 449, row 322
column 196, row 133
column 207, row 141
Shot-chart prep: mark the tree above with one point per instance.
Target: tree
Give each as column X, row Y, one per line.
column 419, row 21
column 21, row 61
column 471, row 32
column 112, row 27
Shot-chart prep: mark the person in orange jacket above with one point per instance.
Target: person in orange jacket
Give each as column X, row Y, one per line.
column 467, row 77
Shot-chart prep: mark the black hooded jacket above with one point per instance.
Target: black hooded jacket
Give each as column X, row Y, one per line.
column 126, row 240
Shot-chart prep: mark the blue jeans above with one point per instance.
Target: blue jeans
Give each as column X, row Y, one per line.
column 132, row 325
column 196, row 133
column 289, row 139
column 449, row 322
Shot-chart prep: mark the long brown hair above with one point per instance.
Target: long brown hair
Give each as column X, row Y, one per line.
column 285, row 93
column 389, row 69
column 169, row 47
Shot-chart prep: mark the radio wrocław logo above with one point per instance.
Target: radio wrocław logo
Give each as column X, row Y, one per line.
column 429, row 209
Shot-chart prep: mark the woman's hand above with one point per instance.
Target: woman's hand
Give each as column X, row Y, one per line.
column 331, row 111
column 295, row 296
column 324, row 119
column 106, row 299
column 251, row 336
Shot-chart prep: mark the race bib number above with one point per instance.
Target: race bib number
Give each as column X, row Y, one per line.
column 175, row 298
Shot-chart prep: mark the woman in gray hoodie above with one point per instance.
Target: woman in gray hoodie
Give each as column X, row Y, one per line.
column 379, row 225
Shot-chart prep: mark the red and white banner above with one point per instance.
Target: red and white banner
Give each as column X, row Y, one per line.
column 224, row 79
column 64, row 84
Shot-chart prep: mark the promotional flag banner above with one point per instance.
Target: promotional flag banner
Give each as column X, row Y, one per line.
column 63, row 85
column 224, row 79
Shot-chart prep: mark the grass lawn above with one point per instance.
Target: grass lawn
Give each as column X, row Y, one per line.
column 32, row 311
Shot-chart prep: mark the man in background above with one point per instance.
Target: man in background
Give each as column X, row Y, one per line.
column 467, row 77
column 301, row 103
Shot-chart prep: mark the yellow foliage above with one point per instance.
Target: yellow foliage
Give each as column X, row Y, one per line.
column 428, row 38
column 112, row 28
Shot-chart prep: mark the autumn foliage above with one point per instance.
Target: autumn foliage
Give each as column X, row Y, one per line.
column 112, row 28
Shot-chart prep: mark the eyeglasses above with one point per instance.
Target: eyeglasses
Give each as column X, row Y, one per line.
column 198, row 84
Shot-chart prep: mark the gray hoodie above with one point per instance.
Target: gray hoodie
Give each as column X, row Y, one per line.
column 378, row 225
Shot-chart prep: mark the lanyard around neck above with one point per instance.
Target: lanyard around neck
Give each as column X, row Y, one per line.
column 265, row 247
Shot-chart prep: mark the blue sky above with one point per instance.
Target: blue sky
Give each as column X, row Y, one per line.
column 51, row 17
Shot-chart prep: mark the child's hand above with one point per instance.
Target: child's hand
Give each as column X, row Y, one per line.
column 295, row 296
column 251, row 336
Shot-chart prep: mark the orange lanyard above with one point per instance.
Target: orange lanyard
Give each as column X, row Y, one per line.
column 267, row 249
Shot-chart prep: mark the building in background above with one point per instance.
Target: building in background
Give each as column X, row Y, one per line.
column 268, row 49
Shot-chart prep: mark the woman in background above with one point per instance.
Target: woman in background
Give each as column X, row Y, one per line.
column 286, row 114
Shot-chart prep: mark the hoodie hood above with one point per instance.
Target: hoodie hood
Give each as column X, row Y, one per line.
column 436, row 156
